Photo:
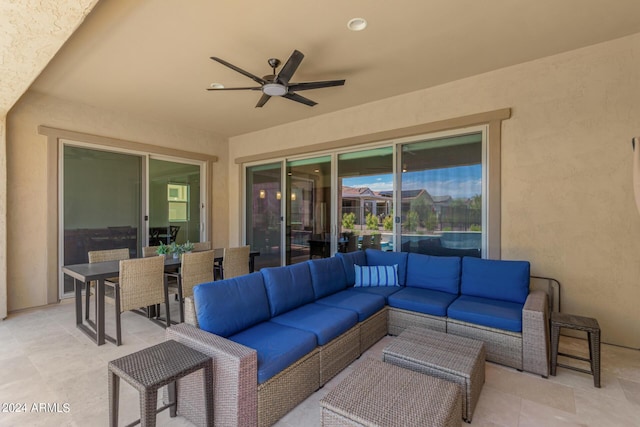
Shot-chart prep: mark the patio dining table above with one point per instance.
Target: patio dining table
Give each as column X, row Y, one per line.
column 98, row 271
column 82, row 274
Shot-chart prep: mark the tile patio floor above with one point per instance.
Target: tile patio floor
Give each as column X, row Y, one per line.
column 45, row 359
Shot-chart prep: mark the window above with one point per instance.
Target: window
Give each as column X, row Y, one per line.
column 178, row 198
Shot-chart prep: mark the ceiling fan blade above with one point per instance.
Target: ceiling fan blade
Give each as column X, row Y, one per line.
column 315, row 85
column 300, row 99
column 263, row 100
column 290, row 67
column 234, row 88
column 240, row 70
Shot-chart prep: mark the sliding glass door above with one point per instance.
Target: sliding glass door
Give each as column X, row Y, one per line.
column 102, row 191
column 114, row 200
column 264, row 213
column 174, row 202
column 365, row 194
column 308, row 207
column 441, row 197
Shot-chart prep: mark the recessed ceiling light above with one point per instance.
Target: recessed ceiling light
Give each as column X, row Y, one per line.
column 357, row 24
column 216, row 86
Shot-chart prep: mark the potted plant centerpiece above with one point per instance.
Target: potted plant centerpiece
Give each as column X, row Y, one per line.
column 163, row 249
column 175, row 249
column 187, row 247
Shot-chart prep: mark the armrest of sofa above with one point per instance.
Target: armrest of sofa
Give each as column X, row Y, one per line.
column 190, row 312
column 535, row 334
column 235, row 379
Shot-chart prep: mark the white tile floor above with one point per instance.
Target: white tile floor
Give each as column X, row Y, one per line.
column 44, row 359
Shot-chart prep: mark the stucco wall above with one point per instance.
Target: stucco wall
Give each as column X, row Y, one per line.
column 3, row 218
column 27, row 180
column 567, row 196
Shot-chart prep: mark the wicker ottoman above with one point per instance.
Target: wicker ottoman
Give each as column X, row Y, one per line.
column 449, row 357
column 380, row 394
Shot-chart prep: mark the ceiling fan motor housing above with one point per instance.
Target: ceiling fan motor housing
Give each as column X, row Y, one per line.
column 274, row 89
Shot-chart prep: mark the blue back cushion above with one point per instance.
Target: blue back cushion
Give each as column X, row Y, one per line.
column 376, row 257
column 227, row 307
column 435, row 273
column 376, row 275
column 496, row 279
column 327, row 276
column 348, row 261
column 288, row 287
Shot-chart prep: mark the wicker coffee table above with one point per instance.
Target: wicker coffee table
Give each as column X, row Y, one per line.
column 378, row 394
column 154, row 367
column 449, row 357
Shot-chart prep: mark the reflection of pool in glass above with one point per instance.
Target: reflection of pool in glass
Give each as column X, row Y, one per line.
column 447, row 239
column 461, row 239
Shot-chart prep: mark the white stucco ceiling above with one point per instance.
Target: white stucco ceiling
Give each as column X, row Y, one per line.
column 151, row 58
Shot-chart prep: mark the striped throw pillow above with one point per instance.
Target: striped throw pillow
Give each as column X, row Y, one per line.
column 376, row 275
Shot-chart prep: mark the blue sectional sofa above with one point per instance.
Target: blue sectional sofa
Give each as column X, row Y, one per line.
column 278, row 335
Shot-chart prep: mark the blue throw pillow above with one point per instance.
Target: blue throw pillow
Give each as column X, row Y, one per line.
column 376, row 275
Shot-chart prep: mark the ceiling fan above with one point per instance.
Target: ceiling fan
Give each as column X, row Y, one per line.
column 278, row 84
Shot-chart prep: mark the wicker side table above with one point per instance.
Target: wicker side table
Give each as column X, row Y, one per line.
column 152, row 368
column 578, row 323
column 449, row 357
column 378, row 394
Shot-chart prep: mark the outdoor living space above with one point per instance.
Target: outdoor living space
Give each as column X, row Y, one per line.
column 490, row 131
column 46, row 360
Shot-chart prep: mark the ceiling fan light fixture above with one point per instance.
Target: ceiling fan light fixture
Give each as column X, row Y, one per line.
column 216, row 86
column 274, row 89
column 357, row 24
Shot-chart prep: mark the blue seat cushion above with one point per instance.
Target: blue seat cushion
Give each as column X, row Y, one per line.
column 327, row 276
column 487, row 312
column 432, row 272
column 365, row 305
column 278, row 346
column 324, row 321
column 377, row 257
column 495, row 279
column 348, row 261
column 422, row 300
column 383, row 291
column 288, row 287
column 229, row 306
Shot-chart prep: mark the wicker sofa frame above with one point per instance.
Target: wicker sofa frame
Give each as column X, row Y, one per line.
column 237, row 394
column 525, row 351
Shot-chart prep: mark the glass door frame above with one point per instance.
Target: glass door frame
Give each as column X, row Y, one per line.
column 144, row 194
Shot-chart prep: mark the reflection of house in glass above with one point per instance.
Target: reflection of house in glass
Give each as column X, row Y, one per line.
column 362, row 201
column 438, row 213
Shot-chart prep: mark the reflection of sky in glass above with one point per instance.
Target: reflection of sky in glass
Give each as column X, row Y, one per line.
column 457, row 182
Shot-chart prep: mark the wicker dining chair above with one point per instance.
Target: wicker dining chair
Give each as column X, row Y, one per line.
column 201, row 246
column 140, row 284
column 235, row 262
column 196, row 268
column 103, row 256
column 148, row 251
